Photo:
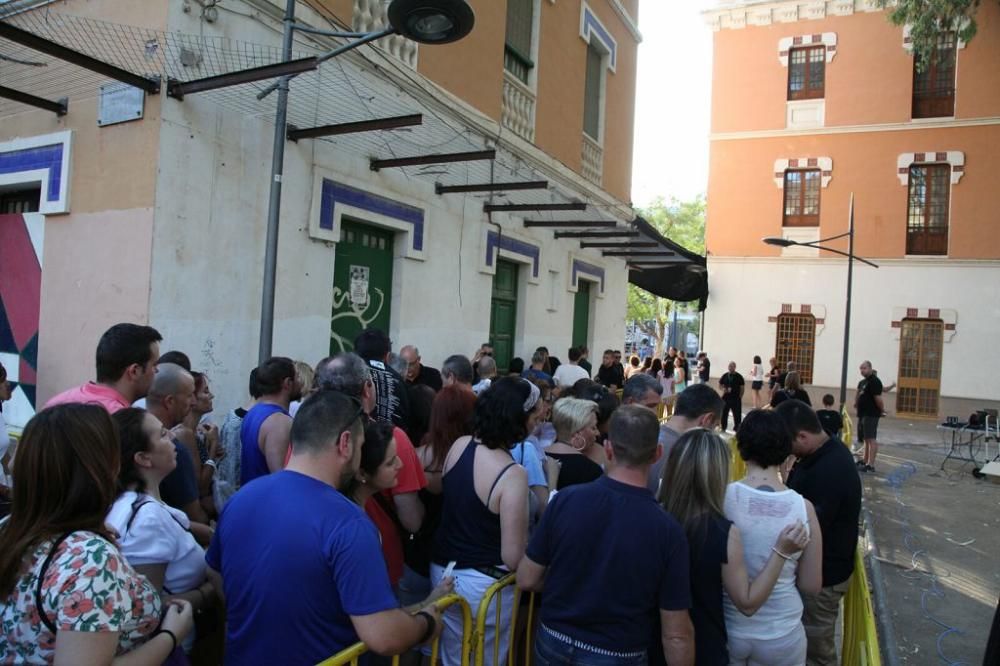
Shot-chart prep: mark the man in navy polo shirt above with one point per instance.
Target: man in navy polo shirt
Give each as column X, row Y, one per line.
column 610, row 559
column 301, row 565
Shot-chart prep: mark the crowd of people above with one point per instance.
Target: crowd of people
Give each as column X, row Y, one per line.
column 341, row 500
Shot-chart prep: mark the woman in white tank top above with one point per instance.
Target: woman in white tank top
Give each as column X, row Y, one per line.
column 761, row 506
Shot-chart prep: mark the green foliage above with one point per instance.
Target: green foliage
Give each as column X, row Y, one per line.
column 928, row 18
column 684, row 223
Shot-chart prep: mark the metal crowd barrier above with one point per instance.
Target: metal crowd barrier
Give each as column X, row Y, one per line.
column 521, row 632
column 352, row 654
column 860, row 642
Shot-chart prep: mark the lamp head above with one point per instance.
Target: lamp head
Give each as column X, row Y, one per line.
column 780, row 242
column 432, row 21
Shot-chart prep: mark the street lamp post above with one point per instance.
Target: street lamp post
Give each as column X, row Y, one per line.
column 786, row 242
column 424, row 21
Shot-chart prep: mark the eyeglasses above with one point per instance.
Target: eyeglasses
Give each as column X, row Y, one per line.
column 359, row 412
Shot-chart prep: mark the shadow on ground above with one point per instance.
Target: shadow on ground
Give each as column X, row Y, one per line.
column 938, row 535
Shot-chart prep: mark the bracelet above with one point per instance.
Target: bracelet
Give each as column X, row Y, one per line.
column 781, row 554
column 431, row 626
column 167, row 632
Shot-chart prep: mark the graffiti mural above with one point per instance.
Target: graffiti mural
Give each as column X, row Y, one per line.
column 20, row 296
column 358, row 316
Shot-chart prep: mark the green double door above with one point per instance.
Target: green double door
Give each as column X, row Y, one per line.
column 581, row 314
column 503, row 314
column 362, row 284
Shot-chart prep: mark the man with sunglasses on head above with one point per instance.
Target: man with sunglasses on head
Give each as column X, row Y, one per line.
column 299, row 564
column 398, row 512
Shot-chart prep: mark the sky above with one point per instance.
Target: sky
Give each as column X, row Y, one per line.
column 673, row 101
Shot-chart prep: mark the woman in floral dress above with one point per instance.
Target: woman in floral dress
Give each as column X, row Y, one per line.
column 55, row 549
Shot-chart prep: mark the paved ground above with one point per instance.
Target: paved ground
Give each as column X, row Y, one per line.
column 938, row 533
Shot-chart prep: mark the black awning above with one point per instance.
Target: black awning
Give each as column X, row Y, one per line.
column 683, row 277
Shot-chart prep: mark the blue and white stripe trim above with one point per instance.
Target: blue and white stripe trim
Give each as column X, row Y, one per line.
column 591, row 28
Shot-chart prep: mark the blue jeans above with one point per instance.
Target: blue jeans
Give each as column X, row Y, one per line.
column 550, row 651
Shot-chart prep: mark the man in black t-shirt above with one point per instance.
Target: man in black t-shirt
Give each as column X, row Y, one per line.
column 610, row 374
column 418, row 373
column 869, row 405
column 704, row 367
column 732, row 385
column 392, row 403
column 825, row 475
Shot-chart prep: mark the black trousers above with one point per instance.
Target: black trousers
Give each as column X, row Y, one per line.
column 734, row 406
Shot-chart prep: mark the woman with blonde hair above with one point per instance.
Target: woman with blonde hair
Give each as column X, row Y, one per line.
column 694, row 492
column 307, row 380
column 575, row 421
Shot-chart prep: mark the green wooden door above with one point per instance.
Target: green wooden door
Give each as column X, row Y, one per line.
column 581, row 314
column 362, row 284
column 503, row 313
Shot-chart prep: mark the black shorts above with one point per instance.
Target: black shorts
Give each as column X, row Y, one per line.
column 756, row 386
column 867, row 428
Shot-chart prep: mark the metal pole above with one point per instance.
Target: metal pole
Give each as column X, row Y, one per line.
column 274, row 204
column 847, row 313
column 673, row 329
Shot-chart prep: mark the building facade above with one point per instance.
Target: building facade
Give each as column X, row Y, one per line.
column 814, row 102
column 161, row 219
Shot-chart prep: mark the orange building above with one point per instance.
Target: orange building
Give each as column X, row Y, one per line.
column 813, row 102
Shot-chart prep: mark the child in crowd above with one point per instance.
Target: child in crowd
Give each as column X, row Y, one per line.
column 829, row 417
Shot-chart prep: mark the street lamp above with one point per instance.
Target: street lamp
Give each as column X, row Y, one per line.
column 424, row 21
column 787, row 242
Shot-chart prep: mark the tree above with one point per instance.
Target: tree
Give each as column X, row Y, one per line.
column 684, row 223
column 929, row 18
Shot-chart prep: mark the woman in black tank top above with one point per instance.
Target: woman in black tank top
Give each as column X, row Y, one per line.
column 484, row 536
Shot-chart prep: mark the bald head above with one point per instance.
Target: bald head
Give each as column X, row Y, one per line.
column 171, row 396
column 170, row 379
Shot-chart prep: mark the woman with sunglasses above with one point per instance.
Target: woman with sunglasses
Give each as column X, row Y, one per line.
column 155, row 538
column 484, row 518
column 67, row 595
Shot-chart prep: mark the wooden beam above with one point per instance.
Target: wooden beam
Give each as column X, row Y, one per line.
column 562, row 224
column 294, row 133
column 441, row 158
column 637, row 255
column 511, row 208
column 624, row 233
column 612, row 246
column 58, row 107
column 492, row 187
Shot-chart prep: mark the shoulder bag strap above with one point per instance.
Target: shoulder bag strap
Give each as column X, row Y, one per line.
column 41, row 577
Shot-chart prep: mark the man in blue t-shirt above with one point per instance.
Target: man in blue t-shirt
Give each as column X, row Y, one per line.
column 301, row 565
column 610, row 558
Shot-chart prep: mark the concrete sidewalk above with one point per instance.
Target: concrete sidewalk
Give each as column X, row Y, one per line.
column 938, row 534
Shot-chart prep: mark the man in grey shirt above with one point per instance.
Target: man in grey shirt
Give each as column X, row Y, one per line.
column 697, row 406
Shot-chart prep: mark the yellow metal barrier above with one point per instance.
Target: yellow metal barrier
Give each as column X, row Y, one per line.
column 737, row 468
column 860, row 644
column 351, row 655
column 518, row 630
column 847, row 431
